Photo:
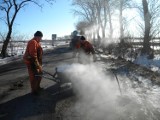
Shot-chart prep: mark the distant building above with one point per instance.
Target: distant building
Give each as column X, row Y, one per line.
column 67, row 37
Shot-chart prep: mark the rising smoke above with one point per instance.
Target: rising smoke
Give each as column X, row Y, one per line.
column 99, row 97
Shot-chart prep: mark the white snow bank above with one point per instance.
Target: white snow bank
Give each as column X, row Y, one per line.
column 18, row 56
column 153, row 64
column 9, row 59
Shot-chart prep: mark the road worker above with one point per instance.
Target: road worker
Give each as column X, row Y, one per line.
column 74, row 40
column 33, row 61
column 86, row 51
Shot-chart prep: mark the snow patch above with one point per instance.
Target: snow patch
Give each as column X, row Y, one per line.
column 153, row 64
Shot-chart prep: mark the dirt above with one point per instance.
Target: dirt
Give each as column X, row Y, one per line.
column 128, row 67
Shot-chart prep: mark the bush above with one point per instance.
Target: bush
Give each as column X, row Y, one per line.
column 109, row 48
column 123, row 49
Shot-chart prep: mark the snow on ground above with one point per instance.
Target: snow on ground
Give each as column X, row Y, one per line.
column 20, row 52
column 153, row 64
column 9, row 59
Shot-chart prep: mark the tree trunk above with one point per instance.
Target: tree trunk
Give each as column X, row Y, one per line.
column 103, row 32
column 147, row 18
column 5, row 44
column 94, row 38
column 98, row 21
column 121, row 21
column 110, row 20
column 98, row 36
column 105, row 21
column 111, row 28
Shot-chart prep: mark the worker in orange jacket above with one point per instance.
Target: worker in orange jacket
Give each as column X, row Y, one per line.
column 86, row 51
column 33, row 61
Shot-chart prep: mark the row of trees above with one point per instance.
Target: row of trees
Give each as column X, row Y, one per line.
column 98, row 17
column 9, row 10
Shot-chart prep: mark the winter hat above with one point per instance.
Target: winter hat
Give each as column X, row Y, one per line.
column 75, row 33
column 83, row 38
column 38, row 34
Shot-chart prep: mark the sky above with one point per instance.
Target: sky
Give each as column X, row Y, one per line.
column 56, row 19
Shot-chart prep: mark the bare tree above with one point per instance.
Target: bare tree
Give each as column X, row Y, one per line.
column 147, row 24
column 82, row 26
column 151, row 21
column 110, row 9
column 123, row 4
column 105, row 19
column 120, row 19
column 89, row 10
column 103, row 9
column 11, row 8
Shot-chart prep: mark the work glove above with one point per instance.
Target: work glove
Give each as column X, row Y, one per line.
column 38, row 67
column 39, row 70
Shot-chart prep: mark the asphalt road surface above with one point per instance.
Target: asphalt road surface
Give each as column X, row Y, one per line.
column 16, row 102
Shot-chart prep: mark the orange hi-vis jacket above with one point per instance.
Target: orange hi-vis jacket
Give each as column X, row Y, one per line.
column 33, row 53
column 86, row 46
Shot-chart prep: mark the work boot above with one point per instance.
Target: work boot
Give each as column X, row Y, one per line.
column 40, row 88
column 36, row 93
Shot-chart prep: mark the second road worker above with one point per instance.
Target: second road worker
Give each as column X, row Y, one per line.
column 86, row 51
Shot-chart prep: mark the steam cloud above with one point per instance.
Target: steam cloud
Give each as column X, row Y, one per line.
column 99, row 97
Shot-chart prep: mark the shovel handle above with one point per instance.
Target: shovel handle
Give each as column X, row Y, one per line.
column 53, row 75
